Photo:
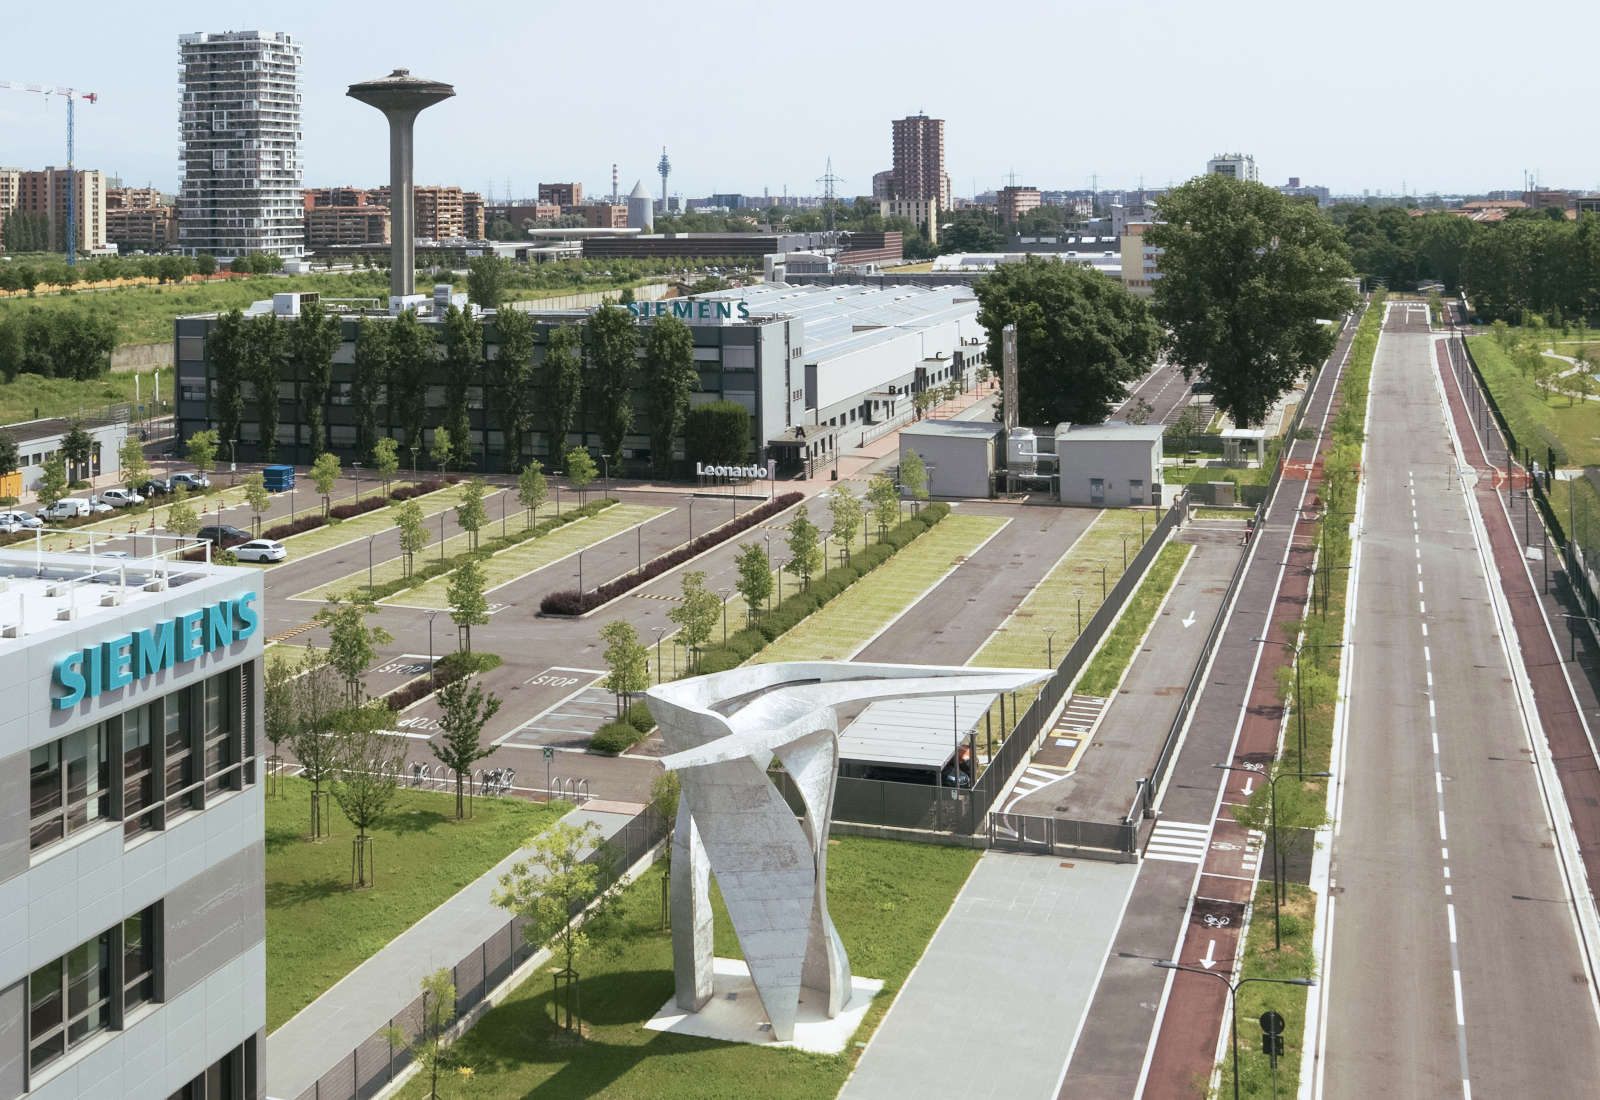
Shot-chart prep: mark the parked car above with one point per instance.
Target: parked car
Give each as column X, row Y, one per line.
column 223, row 535
column 67, row 508
column 193, row 482
column 156, row 487
column 19, row 521
column 260, row 550
column 121, row 498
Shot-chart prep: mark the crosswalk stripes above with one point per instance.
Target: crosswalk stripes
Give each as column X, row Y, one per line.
column 1036, row 776
column 1179, row 841
column 1080, row 715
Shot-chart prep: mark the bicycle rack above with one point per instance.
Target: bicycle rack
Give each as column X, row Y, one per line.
column 581, row 790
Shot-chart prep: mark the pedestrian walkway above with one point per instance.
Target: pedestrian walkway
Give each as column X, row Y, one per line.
column 1010, row 970
column 323, row 1033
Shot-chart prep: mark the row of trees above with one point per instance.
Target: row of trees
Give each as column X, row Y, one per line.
column 1532, row 262
column 58, row 343
column 164, row 269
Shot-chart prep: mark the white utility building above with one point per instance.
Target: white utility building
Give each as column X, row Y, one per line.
column 1111, row 465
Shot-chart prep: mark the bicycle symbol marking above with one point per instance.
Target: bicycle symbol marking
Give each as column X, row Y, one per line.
column 1254, row 767
column 1214, row 921
column 1224, row 846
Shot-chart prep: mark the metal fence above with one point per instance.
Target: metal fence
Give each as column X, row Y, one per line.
column 370, row 1067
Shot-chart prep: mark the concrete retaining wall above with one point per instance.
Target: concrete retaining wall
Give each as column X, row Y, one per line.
column 134, row 357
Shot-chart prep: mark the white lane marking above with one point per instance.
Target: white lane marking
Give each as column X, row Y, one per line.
column 1450, row 914
column 1461, row 1014
column 1424, row 630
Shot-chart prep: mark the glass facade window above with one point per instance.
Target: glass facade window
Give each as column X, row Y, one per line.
column 221, row 742
column 139, row 808
column 183, row 793
column 139, row 959
column 69, row 782
column 69, row 1000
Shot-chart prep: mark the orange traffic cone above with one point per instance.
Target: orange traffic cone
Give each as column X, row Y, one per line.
column 69, row 542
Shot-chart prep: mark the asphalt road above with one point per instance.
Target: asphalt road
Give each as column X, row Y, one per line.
column 1455, row 967
column 1166, row 391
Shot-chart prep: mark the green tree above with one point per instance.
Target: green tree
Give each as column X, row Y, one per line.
column 324, row 472
column 201, row 450
column 315, row 739
column 470, row 513
column 10, row 459
column 386, row 461
column 134, row 467
column 696, row 613
column 532, row 491
column 366, row 774
column 78, row 446
column 263, row 368
column 441, row 452
column 914, row 475
column 413, row 535
column 613, row 362
column 487, row 277
column 257, row 497
column 717, row 433
column 468, row 607
column 313, row 339
column 463, row 365
column 561, row 878
column 845, row 508
column 580, row 470
column 352, row 642
column 53, row 481
column 371, row 382
column 628, row 660
column 465, row 708
column 885, row 503
column 182, row 519
column 514, row 375
column 205, row 264
column 755, row 578
column 562, row 387
column 805, row 551
column 1247, row 277
column 279, row 712
column 1081, row 337
column 228, row 352
column 413, row 354
column 428, row 1048
column 670, row 376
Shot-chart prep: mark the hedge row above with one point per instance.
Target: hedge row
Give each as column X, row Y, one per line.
column 572, row 602
column 614, row 738
column 311, row 520
column 746, row 643
column 421, row 574
column 450, row 667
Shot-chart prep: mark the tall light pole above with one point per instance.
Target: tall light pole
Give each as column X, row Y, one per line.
column 768, row 539
column 1272, row 793
column 725, row 593
column 356, row 466
column 660, row 630
column 431, row 616
column 1049, row 646
column 369, row 560
column 1233, row 1001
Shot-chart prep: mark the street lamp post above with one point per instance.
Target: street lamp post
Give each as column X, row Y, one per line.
column 1298, row 698
column 1272, row 794
column 1049, row 646
column 370, row 538
column 605, row 473
column 441, row 537
column 724, row 592
column 503, row 495
column 357, row 467
column 1233, row 1001
column 1125, row 539
column 691, row 517
column 768, row 540
column 660, row 630
column 580, row 578
column 431, row 616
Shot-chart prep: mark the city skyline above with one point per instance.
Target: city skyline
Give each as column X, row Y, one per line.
column 1322, row 125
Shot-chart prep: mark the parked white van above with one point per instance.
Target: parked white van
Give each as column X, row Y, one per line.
column 67, row 508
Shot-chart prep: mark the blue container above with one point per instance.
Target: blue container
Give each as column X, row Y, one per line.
column 278, row 479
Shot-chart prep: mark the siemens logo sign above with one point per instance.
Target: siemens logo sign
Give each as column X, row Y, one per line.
column 118, row 662
column 686, row 310
column 702, row 470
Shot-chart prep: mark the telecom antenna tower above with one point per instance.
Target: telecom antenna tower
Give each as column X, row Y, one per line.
column 664, row 166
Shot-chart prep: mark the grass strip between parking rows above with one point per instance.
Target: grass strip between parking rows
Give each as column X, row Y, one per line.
column 1115, row 654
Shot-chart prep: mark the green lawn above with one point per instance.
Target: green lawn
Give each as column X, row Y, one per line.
column 518, row 561
column 395, row 566
column 31, row 396
column 1533, row 416
column 886, row 898
column 374, row 522
column 845, row 624
column 1240, row 514
column 1116, row 652
column 319, row 927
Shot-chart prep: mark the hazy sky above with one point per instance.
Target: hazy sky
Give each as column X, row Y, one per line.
column 1363, row 94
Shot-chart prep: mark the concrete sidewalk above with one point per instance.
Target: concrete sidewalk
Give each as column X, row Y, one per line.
column 1009, row 973
column 323, row 1033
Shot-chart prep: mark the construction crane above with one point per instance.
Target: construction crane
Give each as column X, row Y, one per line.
column 72, row 96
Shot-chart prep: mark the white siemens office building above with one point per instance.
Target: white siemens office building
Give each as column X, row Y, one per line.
column 132, row 907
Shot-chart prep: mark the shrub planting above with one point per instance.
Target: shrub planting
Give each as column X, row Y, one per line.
column 615, row 737
column 572, row 602
column 312, row 520
column 639, row 717
column 450, row 667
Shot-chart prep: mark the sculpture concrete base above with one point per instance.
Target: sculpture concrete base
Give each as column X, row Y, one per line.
column 741, row 1018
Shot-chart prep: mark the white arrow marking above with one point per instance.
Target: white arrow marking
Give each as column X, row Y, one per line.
column 1211, row 955
column 1249, row 784
column 1189, row 621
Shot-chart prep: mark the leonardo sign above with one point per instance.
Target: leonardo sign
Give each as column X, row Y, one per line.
column 109, row 665
column 702, row 470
